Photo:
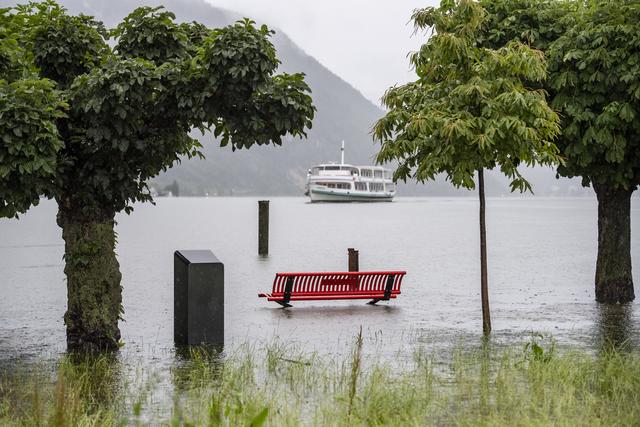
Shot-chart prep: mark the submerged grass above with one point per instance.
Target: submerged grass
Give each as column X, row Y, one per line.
column 278, row 385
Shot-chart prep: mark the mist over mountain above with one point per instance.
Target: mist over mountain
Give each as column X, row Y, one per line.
column 343, row 113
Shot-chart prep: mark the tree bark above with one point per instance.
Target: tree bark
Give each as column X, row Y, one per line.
column 484, row 281
column 614, row 282
column 94, row 294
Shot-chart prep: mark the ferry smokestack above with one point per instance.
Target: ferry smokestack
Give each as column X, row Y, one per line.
column 342, row 153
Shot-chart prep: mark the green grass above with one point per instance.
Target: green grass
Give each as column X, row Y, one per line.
column 278, row 385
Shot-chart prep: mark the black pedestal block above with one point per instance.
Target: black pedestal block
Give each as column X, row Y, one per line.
column 198, row 298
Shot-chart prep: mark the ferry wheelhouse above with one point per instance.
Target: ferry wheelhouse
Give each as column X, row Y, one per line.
column 348, row 183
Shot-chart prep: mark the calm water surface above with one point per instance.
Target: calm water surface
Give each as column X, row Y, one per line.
column 541, row 267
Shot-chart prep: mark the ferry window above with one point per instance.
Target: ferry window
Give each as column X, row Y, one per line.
column 377, row 174
column 351, row 170
column 376, row 186
column 366, row 173
column 339, row 185
column 332, row 168
column 361, row 186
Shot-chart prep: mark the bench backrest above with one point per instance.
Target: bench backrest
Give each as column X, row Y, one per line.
column 338, row 283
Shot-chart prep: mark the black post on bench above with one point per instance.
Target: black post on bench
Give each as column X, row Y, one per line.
column 354, row 263
column 288, row 287
column 387, row 290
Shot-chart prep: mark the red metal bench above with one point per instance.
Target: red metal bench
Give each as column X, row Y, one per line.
column 375, row 285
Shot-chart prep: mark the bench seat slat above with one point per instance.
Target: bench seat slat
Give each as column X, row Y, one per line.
column 319, row 294
column 328, row 297
column 335, row 286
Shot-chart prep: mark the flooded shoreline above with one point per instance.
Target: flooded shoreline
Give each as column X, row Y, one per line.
column 541, row 266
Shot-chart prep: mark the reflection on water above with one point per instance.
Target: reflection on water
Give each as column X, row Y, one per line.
column 195, row 365
column 336, row 313
column 615, row 328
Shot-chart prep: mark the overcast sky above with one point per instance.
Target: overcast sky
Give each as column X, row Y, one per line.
column 363, row 41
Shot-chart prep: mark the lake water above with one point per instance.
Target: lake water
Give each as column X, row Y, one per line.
column 541, row 269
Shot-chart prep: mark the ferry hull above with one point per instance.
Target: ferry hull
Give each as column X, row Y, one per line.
column 318, row 195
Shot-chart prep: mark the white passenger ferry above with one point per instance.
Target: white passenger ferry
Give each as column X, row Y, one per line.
column 347, row 183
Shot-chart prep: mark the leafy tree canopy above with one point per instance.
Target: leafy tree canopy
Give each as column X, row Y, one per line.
column 89, row 122
column 131, row 107
column 536, row 23
column 469, row 109
column 151, row 33
column 29, row 139
column 596, row 84
column 30, row 142
column 593, row 51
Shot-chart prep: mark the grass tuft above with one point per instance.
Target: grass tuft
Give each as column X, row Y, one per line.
column 280, row 385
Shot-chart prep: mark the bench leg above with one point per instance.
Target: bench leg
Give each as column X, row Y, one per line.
column 373, row 301
column 287, row 293
column 284, row 304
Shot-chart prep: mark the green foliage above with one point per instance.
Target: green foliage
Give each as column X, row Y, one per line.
column 151, row 33
column 62, row 46
column 594, row 66
column 533, row 22
column 502, row 387
column 260, row 418
column 196, row 33
column 241, row 100
column 239, row 51
column 30, row 108
column 120, row 136
column 280, row 107
column 131, row 109
column 596, row 84
column 535, row 352
column 11, row 59
column 469, row 109
column 29, row 142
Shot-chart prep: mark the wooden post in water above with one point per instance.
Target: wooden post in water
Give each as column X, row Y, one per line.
column 354, row 262
column 263, row 227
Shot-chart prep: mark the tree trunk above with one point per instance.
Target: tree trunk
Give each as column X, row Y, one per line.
column 484, row 285
column 614, row 282
column 94, row 294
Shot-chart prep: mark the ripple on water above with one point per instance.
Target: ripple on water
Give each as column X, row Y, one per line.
column 541, row 267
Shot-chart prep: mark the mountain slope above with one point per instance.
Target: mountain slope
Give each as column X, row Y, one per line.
column 342, row 114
